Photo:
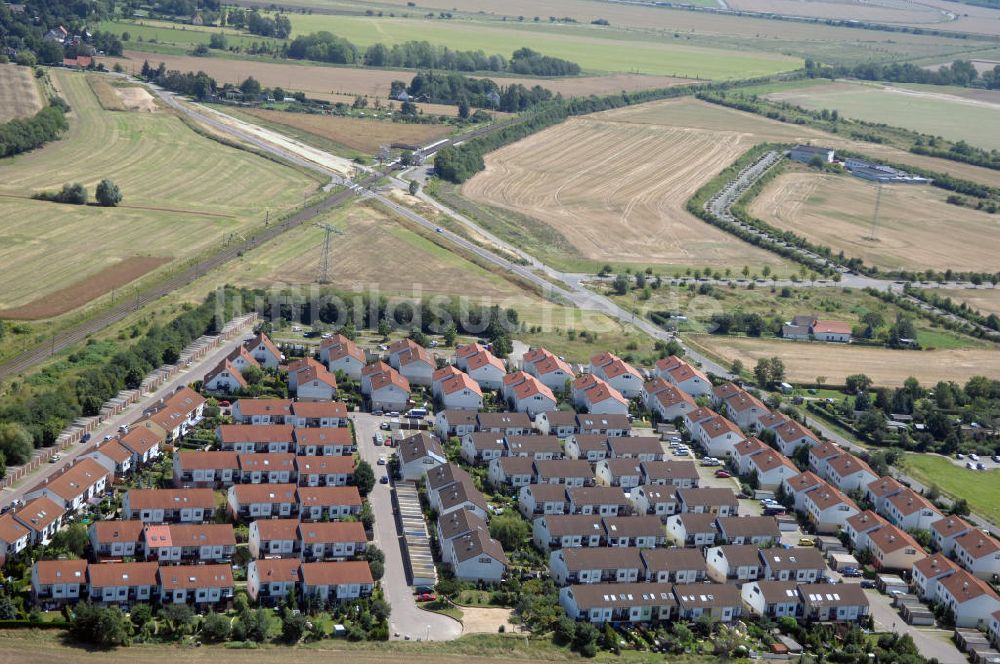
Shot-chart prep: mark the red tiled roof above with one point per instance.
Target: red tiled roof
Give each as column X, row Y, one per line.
column 61, row 571
column 191, row 577
column 109, row 575
column 336, row 574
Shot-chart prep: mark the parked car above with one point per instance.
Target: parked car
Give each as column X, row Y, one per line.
column 384, row 479
column 867, row 583
column 974, row 457
column 426, row 597
column 224, row 404
column 807, row 541
column 54, row 458
column 381, row 460
column 723, row 474
column 379, row 439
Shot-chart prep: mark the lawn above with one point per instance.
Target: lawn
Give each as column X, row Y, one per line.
column 183, row 194
column 597, row 51
column 979, row 487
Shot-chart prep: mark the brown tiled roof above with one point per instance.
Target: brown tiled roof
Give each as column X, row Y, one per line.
column 277, row 529
column 332, row 531
column 978, row 544
column 890, row 538
column 457, row 522
column 707, row 595
column 749, row 526
column 191, row 577
column 10, row 529
column 635, row 445
column 109, row 575
column 419, row 446
column 841, row 594
column 560, row 525
column 596, row 495
column 118, row 531
column 248, row 407
column 707, row 496
column 61, row 571
column 591, row 442
column 504, row 420
column 674, row 559
column 336, row 574
column 950, row 525
column 565, row 468
column 255, row 433
column 622, row 595
column 318, row 409
column 247, row 494
column 278, row 569
column 192, row 460
column 328, row 495
column 806, row 557
column 77, row 479
column 322, row 436
column 531, row 445
column 325, row 465
column 633, row 526
column 477, row 543
column 932, row 566
column 603, row 558
column 267, row 462
column 140, row 438
column 202, row 534
column 804, row 480
column 741, row 555
column 670, row 470
column 170, row 498
column 39, row 513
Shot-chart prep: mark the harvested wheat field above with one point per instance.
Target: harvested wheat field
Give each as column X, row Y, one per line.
column 804, row 361
column 363, row 135
column 985, row 300
column 615, row 184
column 917, row 229
column 321, row 82
column 19, row 95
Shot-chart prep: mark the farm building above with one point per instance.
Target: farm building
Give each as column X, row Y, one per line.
column 806, row 153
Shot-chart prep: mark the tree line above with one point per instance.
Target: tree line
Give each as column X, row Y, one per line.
column 325, row 46
column 24, row 134
column 959, row 72
column 454, row 88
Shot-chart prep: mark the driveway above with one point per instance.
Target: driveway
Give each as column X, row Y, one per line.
column 406, row 620
column 110, row 427
column 932, row 643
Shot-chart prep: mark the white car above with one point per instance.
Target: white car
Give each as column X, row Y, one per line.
column 381, row 460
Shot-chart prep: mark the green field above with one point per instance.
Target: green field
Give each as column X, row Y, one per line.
column 926, row 109
column 980, row 488
column 183, row 193
column 596, row 51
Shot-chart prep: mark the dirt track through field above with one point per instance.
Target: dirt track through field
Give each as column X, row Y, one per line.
column 19, row 95
column 916, row 229
column 69, row 298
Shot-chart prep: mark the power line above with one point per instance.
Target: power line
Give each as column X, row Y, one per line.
column 325, row 275
column 878, row 203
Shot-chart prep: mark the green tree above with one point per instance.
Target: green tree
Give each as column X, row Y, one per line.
column 450, row 335
column 254, row 626
column 858, row 383
column 376, row 561
column 177, row 618
column 414, row 187
column 215, row 628
column 293, row 627
column 250, row 86
column 620, row 285
column 105, row 627
column 252, row 375
column 16, row 443
column 8, row 611
column 140, row 615
column 73, row 539
column 960, row 507
column 217, row 41
column 384, row 329
column 364, row 477
column 108, row 194
column 736, row 368
column 510, row 530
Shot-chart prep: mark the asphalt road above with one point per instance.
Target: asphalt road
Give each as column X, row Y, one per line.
column 406, row 620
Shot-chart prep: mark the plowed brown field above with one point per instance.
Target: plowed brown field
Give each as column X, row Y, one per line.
column 916, row 230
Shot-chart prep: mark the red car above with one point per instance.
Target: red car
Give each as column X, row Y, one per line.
column 723, row 474
column 426, row 597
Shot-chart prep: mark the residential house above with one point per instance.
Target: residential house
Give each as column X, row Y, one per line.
column 745, row 410
column 579, row 387
column 558, row 423
column 739, row 562
column 460, row 423
column 625, row 473
column 643, row 448
column 314, row 383
column 595, row 565
column 456, row 524
column 340, row 581
column 798, row 486
column 115, row 457
column 759, row 530
column 820, row 456
column 720, row 602
column 511, row 471
column 789, row 435
column 116, row 539
column 461, row 393
column 247, row 502
column 192, row 542
column 414, row 364
column 799, row 564
column 532, row 397
column 508, row 424
column 370, row 370
column 227, row 377
column 893, row 549
column 249, row 438
column 74, row 486
column 561, row 531
column 567, row 472
column 143, row 440
column 176, row 414
column 539, row 448
column 692, row 530
column 666, row 401
column 274, row 538
column 326, row 540
column 267, row 468
column 390, row 391
column 860, row 526
column 828, row 509
column 971, row 600
column 880, row 491
column 270, row 581
column 261, row 411
column 602, row 399
column 536, row 499
column 600, row 500
column 928, row 572
column 619, row 603
column 481, row 447
column 645, row 532
column 655, row 499
column 486, row 370
column 328, row 441
column 945, row 531
column 300, row 366
column 169, row 505
column 693, row 419
column 603, row 425
column 319, row 503
column 623, row 377
column 772, row 469
column 708, row 500
column 206, row 469
column 339, row 353
column 202, row 585
column 477, row 557
column 324, row 470
column 773, row 599
column 979, row 553
column 682, row 375
column 56, row 582
column 14, row 537
column 511, row 382
column 844, row 602
column 911, row 511
column 587, row 446
column 418, row 454
column 264, row 351
column 122, row 583
column 744, row 450
column 42, row 517
column 674, row 565
column 681, row 474
column 464, row 351
column 718, row 436
column 552, row 371
column 849, row 473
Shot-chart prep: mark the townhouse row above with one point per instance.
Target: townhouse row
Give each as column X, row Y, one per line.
column 221, row 470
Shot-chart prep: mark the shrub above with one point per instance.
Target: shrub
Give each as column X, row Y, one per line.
column 108, row 194
column 72, row 194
